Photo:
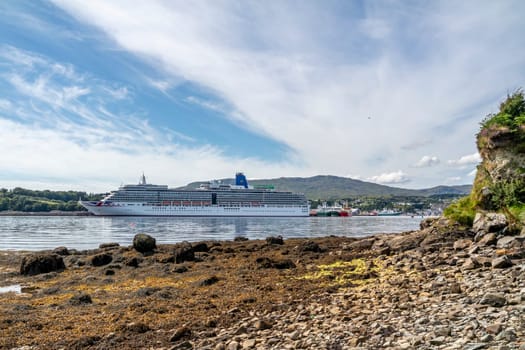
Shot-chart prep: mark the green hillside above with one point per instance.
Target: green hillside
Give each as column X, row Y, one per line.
column 333, row 187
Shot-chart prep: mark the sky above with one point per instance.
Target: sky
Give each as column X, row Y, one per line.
column 95, row 93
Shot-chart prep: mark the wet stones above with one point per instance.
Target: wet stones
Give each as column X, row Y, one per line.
column 144, row 243
column 488, row 239
column 101, row 259
column 180, row 333
column 489, row 222
column 493, row 299
column 80, row 299
column 263, row 324
column 209, row 281
column 41, row 263
column 109, row 246
column 200, row 247
column 462, row 244
column 184, row 252
column 61, row 251
column 501, row 262
column 137, row 327
column 309, row 246
column 267, row 263
column 132, row 261
column 274, row 240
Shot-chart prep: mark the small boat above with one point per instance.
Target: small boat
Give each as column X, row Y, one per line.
column 330, row 211
column 388, row 213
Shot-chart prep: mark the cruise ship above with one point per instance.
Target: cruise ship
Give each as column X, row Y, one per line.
column 210, row 199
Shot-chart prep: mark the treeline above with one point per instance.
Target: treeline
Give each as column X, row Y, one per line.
column 21, row 199
column 397, row 203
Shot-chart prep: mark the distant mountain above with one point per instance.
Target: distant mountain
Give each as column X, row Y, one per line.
column 334, row 187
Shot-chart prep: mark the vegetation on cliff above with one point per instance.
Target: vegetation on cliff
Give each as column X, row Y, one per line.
column 500, row 179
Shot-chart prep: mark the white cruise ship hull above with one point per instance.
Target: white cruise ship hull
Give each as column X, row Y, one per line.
column 138, row 209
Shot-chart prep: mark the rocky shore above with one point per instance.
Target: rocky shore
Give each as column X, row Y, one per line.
column 442, row 287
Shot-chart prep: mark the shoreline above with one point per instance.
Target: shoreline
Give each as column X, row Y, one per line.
column 45, row 213
column 434, row 288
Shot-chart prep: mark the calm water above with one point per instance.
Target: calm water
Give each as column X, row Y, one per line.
column 47, row 232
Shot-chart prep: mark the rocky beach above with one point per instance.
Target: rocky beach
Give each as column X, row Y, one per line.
column 441, row 287
column 456, row 283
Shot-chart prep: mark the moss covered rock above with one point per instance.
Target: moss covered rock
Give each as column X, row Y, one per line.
column 499, row 185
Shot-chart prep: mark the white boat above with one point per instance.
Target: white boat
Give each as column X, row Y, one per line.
column 211, row 199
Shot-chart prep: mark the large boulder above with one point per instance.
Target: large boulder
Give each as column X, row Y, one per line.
column 101, row 259
column 184, row 252
column 489, row 222
column 144, row 243
column 41, row 263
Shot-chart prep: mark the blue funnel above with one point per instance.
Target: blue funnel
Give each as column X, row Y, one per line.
column 240, row 180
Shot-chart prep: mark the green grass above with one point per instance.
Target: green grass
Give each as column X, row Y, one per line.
column 462, row 211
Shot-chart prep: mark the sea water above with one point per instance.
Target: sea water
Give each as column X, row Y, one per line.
column 48, row 232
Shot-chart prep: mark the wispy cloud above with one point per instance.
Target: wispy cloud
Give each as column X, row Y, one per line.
column 65, row 126
column 396, row 177
column 427, row 161
column 328, row 91
column 466, row 160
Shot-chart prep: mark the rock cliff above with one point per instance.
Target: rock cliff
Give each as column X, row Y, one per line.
column 499, row 185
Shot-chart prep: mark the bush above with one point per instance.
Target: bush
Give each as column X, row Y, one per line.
column 462, row 211
column 511, row 113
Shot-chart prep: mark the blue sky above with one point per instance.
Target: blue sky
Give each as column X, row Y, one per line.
column 94, row 93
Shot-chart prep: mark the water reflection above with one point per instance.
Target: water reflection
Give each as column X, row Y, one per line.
column 35, row 233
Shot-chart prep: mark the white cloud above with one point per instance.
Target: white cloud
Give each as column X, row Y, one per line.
column 472, row 173
column 396, row 177
column 118, row 93
column 70, row 136
column 310, row 81
column 427, row 161
column 343, row 92
column 161, row 85
column 100, row 167
column 469, row 159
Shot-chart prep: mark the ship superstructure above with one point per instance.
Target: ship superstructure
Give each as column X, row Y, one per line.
column 211, row 199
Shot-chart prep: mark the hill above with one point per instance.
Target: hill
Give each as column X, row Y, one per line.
column 334, row 187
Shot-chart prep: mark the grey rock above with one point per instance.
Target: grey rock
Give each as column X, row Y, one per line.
column 61, row 251
column 494, row 328
column 507, row 335
column 233, row 345
column 475, row 346
column 184, row 252
column 488, row 239
column 511, row 242
column 263, row 324
column 462, row 244
column 471, row 264
column 180, row 333
column 109, row 246
column 493, row 299
column 101, row 259
column 501, row 262
column 248, row 344
column 275, row 240
column 489, row 222
column 80, row 299
column 144, row 243
column 41, row 263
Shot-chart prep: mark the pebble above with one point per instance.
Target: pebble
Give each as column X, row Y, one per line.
column 460, row 296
